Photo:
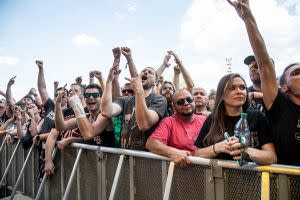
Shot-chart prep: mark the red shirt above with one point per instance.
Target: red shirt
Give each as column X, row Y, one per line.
column 175, row 132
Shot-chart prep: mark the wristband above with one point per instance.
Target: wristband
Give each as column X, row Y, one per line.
column 77, row 107
column 214, row 149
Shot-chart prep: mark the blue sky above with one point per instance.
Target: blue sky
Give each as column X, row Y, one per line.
column 75, row 37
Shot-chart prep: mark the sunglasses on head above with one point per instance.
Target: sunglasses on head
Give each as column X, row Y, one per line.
column 94, row 95
column 181, row 102
column 128, row 91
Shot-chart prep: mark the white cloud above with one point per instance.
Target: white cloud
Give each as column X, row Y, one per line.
column 85, row 40
column 212, row 31
column 131, row 7
column 8, row 60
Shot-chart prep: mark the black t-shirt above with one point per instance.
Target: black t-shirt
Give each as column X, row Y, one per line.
column 106, row 138
column 257, row 103
column 131, row 136
column 3, row 118
column 49, row 120
column 284, row 117
column 258, row 126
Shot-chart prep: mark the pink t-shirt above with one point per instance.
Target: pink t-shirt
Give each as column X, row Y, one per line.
column 175, row 132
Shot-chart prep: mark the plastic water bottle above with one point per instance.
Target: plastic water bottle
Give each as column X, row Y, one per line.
column 241, row 131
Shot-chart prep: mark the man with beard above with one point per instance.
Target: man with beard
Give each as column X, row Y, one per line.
column 167, row 90
column 140, row 113
column 255, row 92
column 282, row 107
column 175, row 136
column 201, row 101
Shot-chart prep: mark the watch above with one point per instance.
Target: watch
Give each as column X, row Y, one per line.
column 245, row 155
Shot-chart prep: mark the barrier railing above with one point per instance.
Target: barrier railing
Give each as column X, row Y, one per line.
column 93, row 172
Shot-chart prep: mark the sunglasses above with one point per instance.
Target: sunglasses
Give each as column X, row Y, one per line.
column 253, row 64
column 94, row 95
column 128, row 91
column 181, row 102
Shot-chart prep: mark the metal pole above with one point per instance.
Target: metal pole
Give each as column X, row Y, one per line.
column 39, row 193
column 116, row 178
column 65, row 197
column 131, row 177
column 9, row 164
column 265, row 186
column 169, row 181
column 2, row 145
column 21, row 173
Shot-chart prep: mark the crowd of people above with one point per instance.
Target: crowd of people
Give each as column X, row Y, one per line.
column 150, row 114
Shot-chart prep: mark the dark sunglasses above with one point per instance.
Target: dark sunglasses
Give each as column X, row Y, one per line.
column 94, row 95
column 181, row 102
column 253, row 64
column 128, row 91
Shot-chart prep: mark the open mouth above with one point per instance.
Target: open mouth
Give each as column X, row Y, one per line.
column 91, row 103
column 144, row 77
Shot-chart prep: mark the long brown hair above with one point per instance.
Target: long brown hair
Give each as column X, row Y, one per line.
column 218, row 125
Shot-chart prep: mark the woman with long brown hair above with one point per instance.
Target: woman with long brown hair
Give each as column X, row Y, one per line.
column 231, row 101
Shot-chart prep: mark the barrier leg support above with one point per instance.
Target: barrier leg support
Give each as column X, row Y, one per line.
column 9, row 164
column 116, row 178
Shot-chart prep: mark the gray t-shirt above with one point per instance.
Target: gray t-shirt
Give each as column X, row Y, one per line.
column 131, row 136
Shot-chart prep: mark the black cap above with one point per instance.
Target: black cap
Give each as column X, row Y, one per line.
column 249, row 59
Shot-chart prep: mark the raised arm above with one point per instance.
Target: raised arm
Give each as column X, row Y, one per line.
column 108, row 108
column 145, row 117
column 269, row 84
column 185, row 74
column 128, row 55
column 9, row 100
column 2, row 93
column 163, row 66
column 116, row 92
column 55, row 87
column 41, row 84
column 60, row 123
column 176, row 77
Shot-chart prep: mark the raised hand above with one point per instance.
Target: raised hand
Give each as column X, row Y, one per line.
column 167, row 59
column 39, row 63
column 91, row 74
column 32, row 91
column 114, row 71
column 117, row 52
column 97, row 74
column 242, row 8
column 136, row 84
column 56, row 83
column 126, row 52
column 176, row 58
column 11, row 81
column 60, row 94
column 78, row 80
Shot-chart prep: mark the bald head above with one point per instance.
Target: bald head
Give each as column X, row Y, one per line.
column 179, row 93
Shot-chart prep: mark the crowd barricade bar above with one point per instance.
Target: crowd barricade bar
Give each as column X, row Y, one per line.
column 131, row 177
column 117, row 172
column 2, row 145
column 40, row 190
column 116, row 178
column 265, row 186
column 169, row 181
column 9, row 164
column 21, row 173
column 66, row 194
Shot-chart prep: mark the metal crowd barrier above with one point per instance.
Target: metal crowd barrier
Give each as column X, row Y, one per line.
column 93, row 172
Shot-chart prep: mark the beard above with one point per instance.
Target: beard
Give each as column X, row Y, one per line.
column 148, row 86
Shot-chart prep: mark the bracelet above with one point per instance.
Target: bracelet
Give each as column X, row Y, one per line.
column 214, row 149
